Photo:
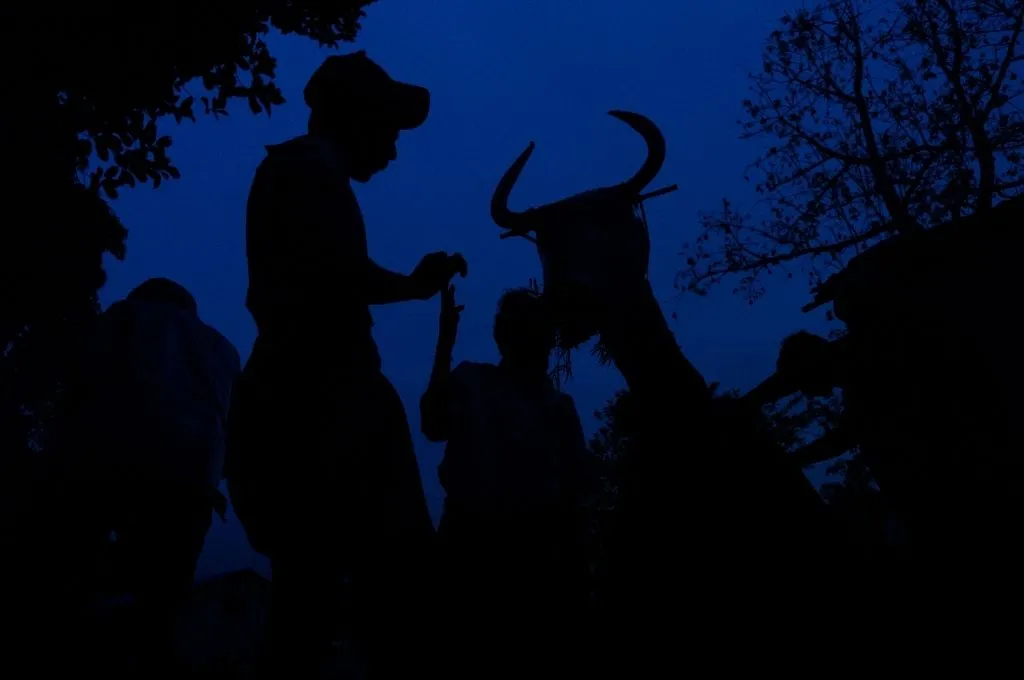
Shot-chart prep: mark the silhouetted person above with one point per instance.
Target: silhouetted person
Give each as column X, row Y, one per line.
column 322, row 470
column 874, row 407
column 512, row 533
column 930, row 450
column 144, row 450
column 815, row 366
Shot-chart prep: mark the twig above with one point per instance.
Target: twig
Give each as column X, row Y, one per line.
column 521, row 234
column 660, row 192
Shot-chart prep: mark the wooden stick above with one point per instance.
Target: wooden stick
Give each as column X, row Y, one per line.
column 521, row 234
column 659, row 192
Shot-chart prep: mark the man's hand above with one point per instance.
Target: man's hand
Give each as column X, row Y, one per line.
column 434, row 272
column 450, row 313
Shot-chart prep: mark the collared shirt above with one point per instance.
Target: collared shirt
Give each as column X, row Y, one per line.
column 157, row 388
column 307, row 254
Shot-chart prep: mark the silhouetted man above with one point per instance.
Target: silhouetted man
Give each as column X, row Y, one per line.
column 811, row 364
column 873, row 415
column 815, row 366
column 324, row 477
column 511, row 535
column 931, row 453
column 144, row 450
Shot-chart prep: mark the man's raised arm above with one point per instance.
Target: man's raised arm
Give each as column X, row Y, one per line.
column 384, row 286
column 432, row 274
column 326, row 221
column 435, row 404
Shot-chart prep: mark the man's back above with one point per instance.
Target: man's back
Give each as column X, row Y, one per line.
column 304, row 238
column 513, row 571
column 157, row 388
column 514, row 450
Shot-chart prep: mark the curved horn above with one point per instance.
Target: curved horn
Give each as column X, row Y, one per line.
column 500, row 213
column 655, row 150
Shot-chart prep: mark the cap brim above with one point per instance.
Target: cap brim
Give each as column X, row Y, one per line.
column 409, row 106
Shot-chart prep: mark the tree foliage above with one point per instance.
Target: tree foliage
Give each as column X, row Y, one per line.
column 113, row 72
column 92, row 83
column 613, row 441
column 797, row 420
column 792, row 423
column 876, row 117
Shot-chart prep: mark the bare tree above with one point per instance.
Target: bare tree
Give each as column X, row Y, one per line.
column 880, row 117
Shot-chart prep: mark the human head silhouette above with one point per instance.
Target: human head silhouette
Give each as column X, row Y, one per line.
column 164, row 290
column 524, row 329
column 356, row 104
column 808, row 361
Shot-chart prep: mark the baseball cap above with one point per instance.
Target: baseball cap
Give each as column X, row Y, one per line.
column 354, row 81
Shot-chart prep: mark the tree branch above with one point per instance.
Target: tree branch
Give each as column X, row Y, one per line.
column 797, row 253
column 1004, row 67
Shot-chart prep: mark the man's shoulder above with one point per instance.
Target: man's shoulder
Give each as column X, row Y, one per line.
column 471, row 368
column 225, row 349
column 117, row 312
column 561, row 402
column 473, row 372
column 564, row 399
column 303, row 154
column 305, row 169
column 209, row 341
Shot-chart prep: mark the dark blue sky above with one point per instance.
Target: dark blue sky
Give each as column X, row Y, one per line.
column 501, row 74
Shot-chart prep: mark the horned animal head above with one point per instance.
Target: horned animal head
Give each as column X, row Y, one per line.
column 592, row 245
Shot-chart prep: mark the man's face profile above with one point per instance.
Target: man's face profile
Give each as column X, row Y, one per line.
column 371, row 150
